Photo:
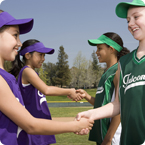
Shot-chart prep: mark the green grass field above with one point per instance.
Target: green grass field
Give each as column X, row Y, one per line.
column 70, row 138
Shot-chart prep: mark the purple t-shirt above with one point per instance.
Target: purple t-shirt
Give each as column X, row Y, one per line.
column 10, row 133
column 35, row 102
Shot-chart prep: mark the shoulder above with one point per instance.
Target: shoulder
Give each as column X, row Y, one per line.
column 127, row 57
column 29, row 71
column 29, row 74
column 3, row 84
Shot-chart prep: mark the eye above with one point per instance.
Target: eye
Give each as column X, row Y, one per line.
column 16, row 35
column 128, row 20
column 136, row 17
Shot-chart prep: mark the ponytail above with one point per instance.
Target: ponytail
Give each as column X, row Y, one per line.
column 124, row 51
column 115, row 37
column 17, row 64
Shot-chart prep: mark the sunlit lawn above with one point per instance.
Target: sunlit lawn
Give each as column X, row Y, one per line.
column 70, row 138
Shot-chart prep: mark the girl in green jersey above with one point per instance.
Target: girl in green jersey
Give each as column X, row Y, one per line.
column 131, row 80
column 109, row 50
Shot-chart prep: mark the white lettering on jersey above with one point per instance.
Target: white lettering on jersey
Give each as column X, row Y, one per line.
column 131, row 81
column 18, row 131
column 42, row 99
column 99, row 90
column 1, row 143
column 143, row 143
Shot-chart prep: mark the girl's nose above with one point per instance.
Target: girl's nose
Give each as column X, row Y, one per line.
column 97, row 51
column 130, row 23
column 43, row 57
column 19, row 43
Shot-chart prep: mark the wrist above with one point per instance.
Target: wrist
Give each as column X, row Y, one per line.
column 108, row 139
column 75, row 125
column 71, row 91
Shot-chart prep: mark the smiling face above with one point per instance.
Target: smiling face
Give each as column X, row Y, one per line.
column 103, row 53
column 136, row 22
column 9, row 43
column 35, row 60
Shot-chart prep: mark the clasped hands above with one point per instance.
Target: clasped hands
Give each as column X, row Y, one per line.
column 77, row 95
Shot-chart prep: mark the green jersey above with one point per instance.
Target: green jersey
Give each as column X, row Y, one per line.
column 103, row 96
column 132, row 99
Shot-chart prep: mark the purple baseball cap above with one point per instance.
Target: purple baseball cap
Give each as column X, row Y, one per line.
column 38, row 47
column 25, row 25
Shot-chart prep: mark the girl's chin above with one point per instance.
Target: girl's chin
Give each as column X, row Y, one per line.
column 101, row 61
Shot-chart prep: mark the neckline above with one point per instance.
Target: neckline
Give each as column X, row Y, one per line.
column 136, row 59
column 110, row 68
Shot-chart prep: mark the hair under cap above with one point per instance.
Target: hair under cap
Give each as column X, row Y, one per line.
column 105, row 40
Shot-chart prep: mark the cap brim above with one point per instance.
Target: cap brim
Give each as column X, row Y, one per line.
column 25, row 25
column 122, row 8
column 45, row 50
column 94, row 42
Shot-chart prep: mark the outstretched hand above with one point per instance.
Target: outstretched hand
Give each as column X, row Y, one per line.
column 74, row 95
column 81, row 115
column 85, row 114
column 82, row 93
column 86, row 127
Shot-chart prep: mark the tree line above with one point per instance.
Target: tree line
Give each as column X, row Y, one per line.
column 84, row 73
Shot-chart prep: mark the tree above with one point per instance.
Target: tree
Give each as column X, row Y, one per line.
column 42, row 74
column 7, row 65
column 51, row 69
column 96, row 70
column 79, row 71
column 63, row 71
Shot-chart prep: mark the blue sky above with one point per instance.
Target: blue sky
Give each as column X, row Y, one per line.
column 70, row 23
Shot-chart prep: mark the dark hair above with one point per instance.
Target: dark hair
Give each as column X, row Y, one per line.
column 17, row 64
column 115, row 37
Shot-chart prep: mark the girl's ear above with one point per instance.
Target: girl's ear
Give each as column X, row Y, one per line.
column 112, row 49
column 27, row 55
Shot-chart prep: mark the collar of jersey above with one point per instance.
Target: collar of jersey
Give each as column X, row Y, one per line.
column 137, row 60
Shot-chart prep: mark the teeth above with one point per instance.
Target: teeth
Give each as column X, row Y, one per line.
column 16, row 50
column 135, row 29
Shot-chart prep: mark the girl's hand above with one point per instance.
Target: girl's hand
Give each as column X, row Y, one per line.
column 85, row 114
column 73, row 95
column 82, row 93
column 83, row 132
column 84, row 125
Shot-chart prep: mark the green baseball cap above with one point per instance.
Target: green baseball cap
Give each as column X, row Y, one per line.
column 105, row 40
column 122, row 8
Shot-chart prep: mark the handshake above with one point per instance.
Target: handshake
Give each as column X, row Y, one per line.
column 85, row 118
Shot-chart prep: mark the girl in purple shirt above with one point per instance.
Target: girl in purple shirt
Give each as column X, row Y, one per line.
column 33, row 88
column 15, row 120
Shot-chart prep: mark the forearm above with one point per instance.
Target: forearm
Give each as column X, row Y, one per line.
column 90, row 99
column 112, row 128
column 110, row 110
column 56, row 91
column 49, row 127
